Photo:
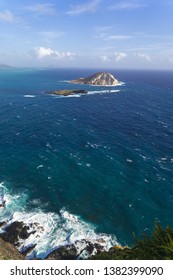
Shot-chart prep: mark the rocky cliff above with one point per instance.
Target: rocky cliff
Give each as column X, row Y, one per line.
column 100, row 79
column 9, row 252
column 158, row 246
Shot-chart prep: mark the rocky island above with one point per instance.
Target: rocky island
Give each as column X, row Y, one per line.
column 98, row 79
column 5, row 66
column 67, row 92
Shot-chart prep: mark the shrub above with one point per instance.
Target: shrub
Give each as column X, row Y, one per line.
column 158, row 246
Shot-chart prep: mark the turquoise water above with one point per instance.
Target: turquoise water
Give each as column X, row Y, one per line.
column 87, row 166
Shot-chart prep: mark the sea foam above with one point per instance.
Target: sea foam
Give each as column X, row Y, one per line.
column 50, row 230
column 29, row 96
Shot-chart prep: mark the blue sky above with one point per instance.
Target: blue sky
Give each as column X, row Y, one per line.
column 81, row 33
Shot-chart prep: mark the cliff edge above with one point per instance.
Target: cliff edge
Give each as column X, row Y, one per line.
column 9, row 252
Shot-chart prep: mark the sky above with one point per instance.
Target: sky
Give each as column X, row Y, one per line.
column 122, row 34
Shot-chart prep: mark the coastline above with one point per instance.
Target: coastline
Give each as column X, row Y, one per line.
column 21, row 237
column 157, row 246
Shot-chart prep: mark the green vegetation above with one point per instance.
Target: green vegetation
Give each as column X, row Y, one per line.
column 63, row 92
column 158, row 246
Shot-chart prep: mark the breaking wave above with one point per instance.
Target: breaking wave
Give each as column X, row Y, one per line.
column 49, row 230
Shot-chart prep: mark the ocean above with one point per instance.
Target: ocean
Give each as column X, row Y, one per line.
column 95, row 167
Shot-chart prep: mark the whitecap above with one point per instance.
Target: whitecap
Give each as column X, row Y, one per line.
column 39, row 166
column 51, row 230
column 74, row 95
column 29, row 96
column 144, row 157
column 48, row 145
column 129, row 160
column 68, row 96
column 102, row 91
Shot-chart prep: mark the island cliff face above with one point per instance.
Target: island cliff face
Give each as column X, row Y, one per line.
column 100, row 79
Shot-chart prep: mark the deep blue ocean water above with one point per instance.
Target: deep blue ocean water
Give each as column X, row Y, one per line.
column 87, row 166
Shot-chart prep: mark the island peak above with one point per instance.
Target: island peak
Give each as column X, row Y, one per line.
column 5, row 66
column 99, row 78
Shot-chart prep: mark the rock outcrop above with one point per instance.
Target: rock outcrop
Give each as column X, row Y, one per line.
column 98, row 79
column 67, row 92
column 14, row 232
column 67, row 252
column 81, row 249
column 9, row 252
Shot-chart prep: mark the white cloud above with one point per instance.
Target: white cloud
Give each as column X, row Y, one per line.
column 107, row 37
column 117, row 37
column 42, row 53
column 117, row 56
column 130, row 5
column 143, row 56
column 105, row 58
column 120, row 55
column 8, row 16
column 42, row 9
column 83, row 8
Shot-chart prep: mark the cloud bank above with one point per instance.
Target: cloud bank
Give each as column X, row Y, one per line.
column 43, row 52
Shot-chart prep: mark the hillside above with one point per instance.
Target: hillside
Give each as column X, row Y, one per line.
column 100, row 79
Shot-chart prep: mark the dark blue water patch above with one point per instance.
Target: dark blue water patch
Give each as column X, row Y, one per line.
column 105, row 157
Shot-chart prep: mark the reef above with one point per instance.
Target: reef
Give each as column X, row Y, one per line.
column 67, row 92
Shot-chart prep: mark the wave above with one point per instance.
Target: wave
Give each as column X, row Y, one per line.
column 73, row 95
column 29, row 96
column 68, row 96
column 103, row 91
column 49, row 230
